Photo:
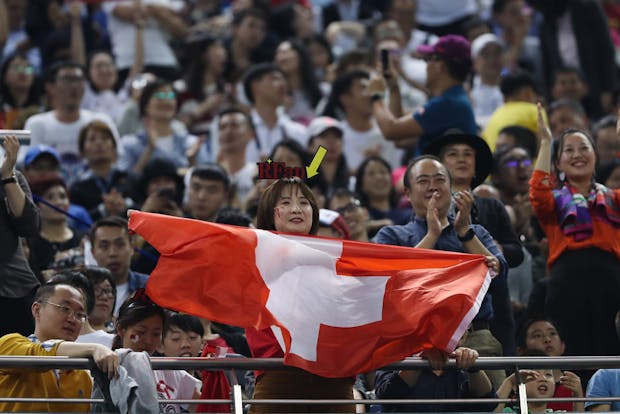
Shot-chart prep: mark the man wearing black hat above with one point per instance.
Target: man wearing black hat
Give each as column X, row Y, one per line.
column 469, row 160
column 448, row 65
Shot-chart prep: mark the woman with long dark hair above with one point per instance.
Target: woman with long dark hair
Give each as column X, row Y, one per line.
column 206, row 90
column 19, row 92
column 294, row 61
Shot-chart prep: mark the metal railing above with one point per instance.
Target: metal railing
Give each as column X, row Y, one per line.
column 238, row 400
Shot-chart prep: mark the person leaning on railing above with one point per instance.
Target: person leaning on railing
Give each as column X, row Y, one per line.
column 59, row 312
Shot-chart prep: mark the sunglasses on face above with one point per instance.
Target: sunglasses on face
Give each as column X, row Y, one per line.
column 26, row 69
column 518, row 163
column 165, row 96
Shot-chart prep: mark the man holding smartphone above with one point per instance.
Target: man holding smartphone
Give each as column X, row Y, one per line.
column 19, row 218
column 448, row 63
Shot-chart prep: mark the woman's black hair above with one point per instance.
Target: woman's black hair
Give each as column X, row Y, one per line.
column 97, row 275
column 321, row 40
column 309, row 82
column 5, row 93
column 293, row 146
column 135, row 309
column 359, row 181
column 198, row 64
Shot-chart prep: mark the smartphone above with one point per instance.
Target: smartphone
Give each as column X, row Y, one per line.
column 385, row 60
column 23, row 136
column 168, row 193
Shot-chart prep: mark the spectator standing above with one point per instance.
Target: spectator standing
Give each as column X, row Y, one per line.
column 19, row 217
column 580, row 219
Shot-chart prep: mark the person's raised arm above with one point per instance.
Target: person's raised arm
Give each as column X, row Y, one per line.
column 15, row 196
column 393, row 128
column 543, row 162
column 4, row 24
column 138, row 53
column 169, row 19
column 78, row 48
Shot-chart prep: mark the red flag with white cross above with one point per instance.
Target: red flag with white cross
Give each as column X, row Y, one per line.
column 338, row 308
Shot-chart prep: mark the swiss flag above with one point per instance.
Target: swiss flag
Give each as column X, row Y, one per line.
column 338, row 308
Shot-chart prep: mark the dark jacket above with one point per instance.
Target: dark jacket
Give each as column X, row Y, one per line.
column 16, row 278
column 595, row 50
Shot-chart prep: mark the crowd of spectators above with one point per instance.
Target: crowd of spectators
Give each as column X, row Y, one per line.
column 434, row 116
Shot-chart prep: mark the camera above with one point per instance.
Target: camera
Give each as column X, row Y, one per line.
column 22, row 135
column 168, row 193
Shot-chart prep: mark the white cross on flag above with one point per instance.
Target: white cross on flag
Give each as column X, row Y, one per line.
column 337, row 307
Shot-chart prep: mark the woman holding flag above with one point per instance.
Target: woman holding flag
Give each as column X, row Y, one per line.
column 288, row 206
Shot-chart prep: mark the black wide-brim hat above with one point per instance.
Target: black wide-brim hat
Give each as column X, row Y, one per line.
column 484, row 156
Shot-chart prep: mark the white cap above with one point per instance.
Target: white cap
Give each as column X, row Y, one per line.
column 322, row 124
column 483, row 41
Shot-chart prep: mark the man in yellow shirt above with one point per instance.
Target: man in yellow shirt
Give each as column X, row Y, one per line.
column 519, row 108
column 58, row 311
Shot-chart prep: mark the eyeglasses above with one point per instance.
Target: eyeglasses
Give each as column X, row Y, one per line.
column 26, row 69
column 70, row 79
column 350, row 207
column 104, row 292
column 67, row 311
column 518, row 163
column 166, row 96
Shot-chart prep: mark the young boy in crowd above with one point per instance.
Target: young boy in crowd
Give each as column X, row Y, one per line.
column 538, row 384
column 539, row 336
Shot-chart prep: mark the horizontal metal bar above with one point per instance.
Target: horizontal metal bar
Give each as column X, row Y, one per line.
column 326, row 401
column 581, row 362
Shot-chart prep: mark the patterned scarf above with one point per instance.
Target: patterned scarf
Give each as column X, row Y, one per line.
column 575, row 211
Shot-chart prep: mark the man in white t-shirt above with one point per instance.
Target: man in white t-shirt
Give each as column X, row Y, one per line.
column 60, row 127
column 159, row 22
column 235, row 134
column 361, row 135
column 265, row 87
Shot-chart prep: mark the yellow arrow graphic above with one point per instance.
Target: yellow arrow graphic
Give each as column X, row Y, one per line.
column 313, row 168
